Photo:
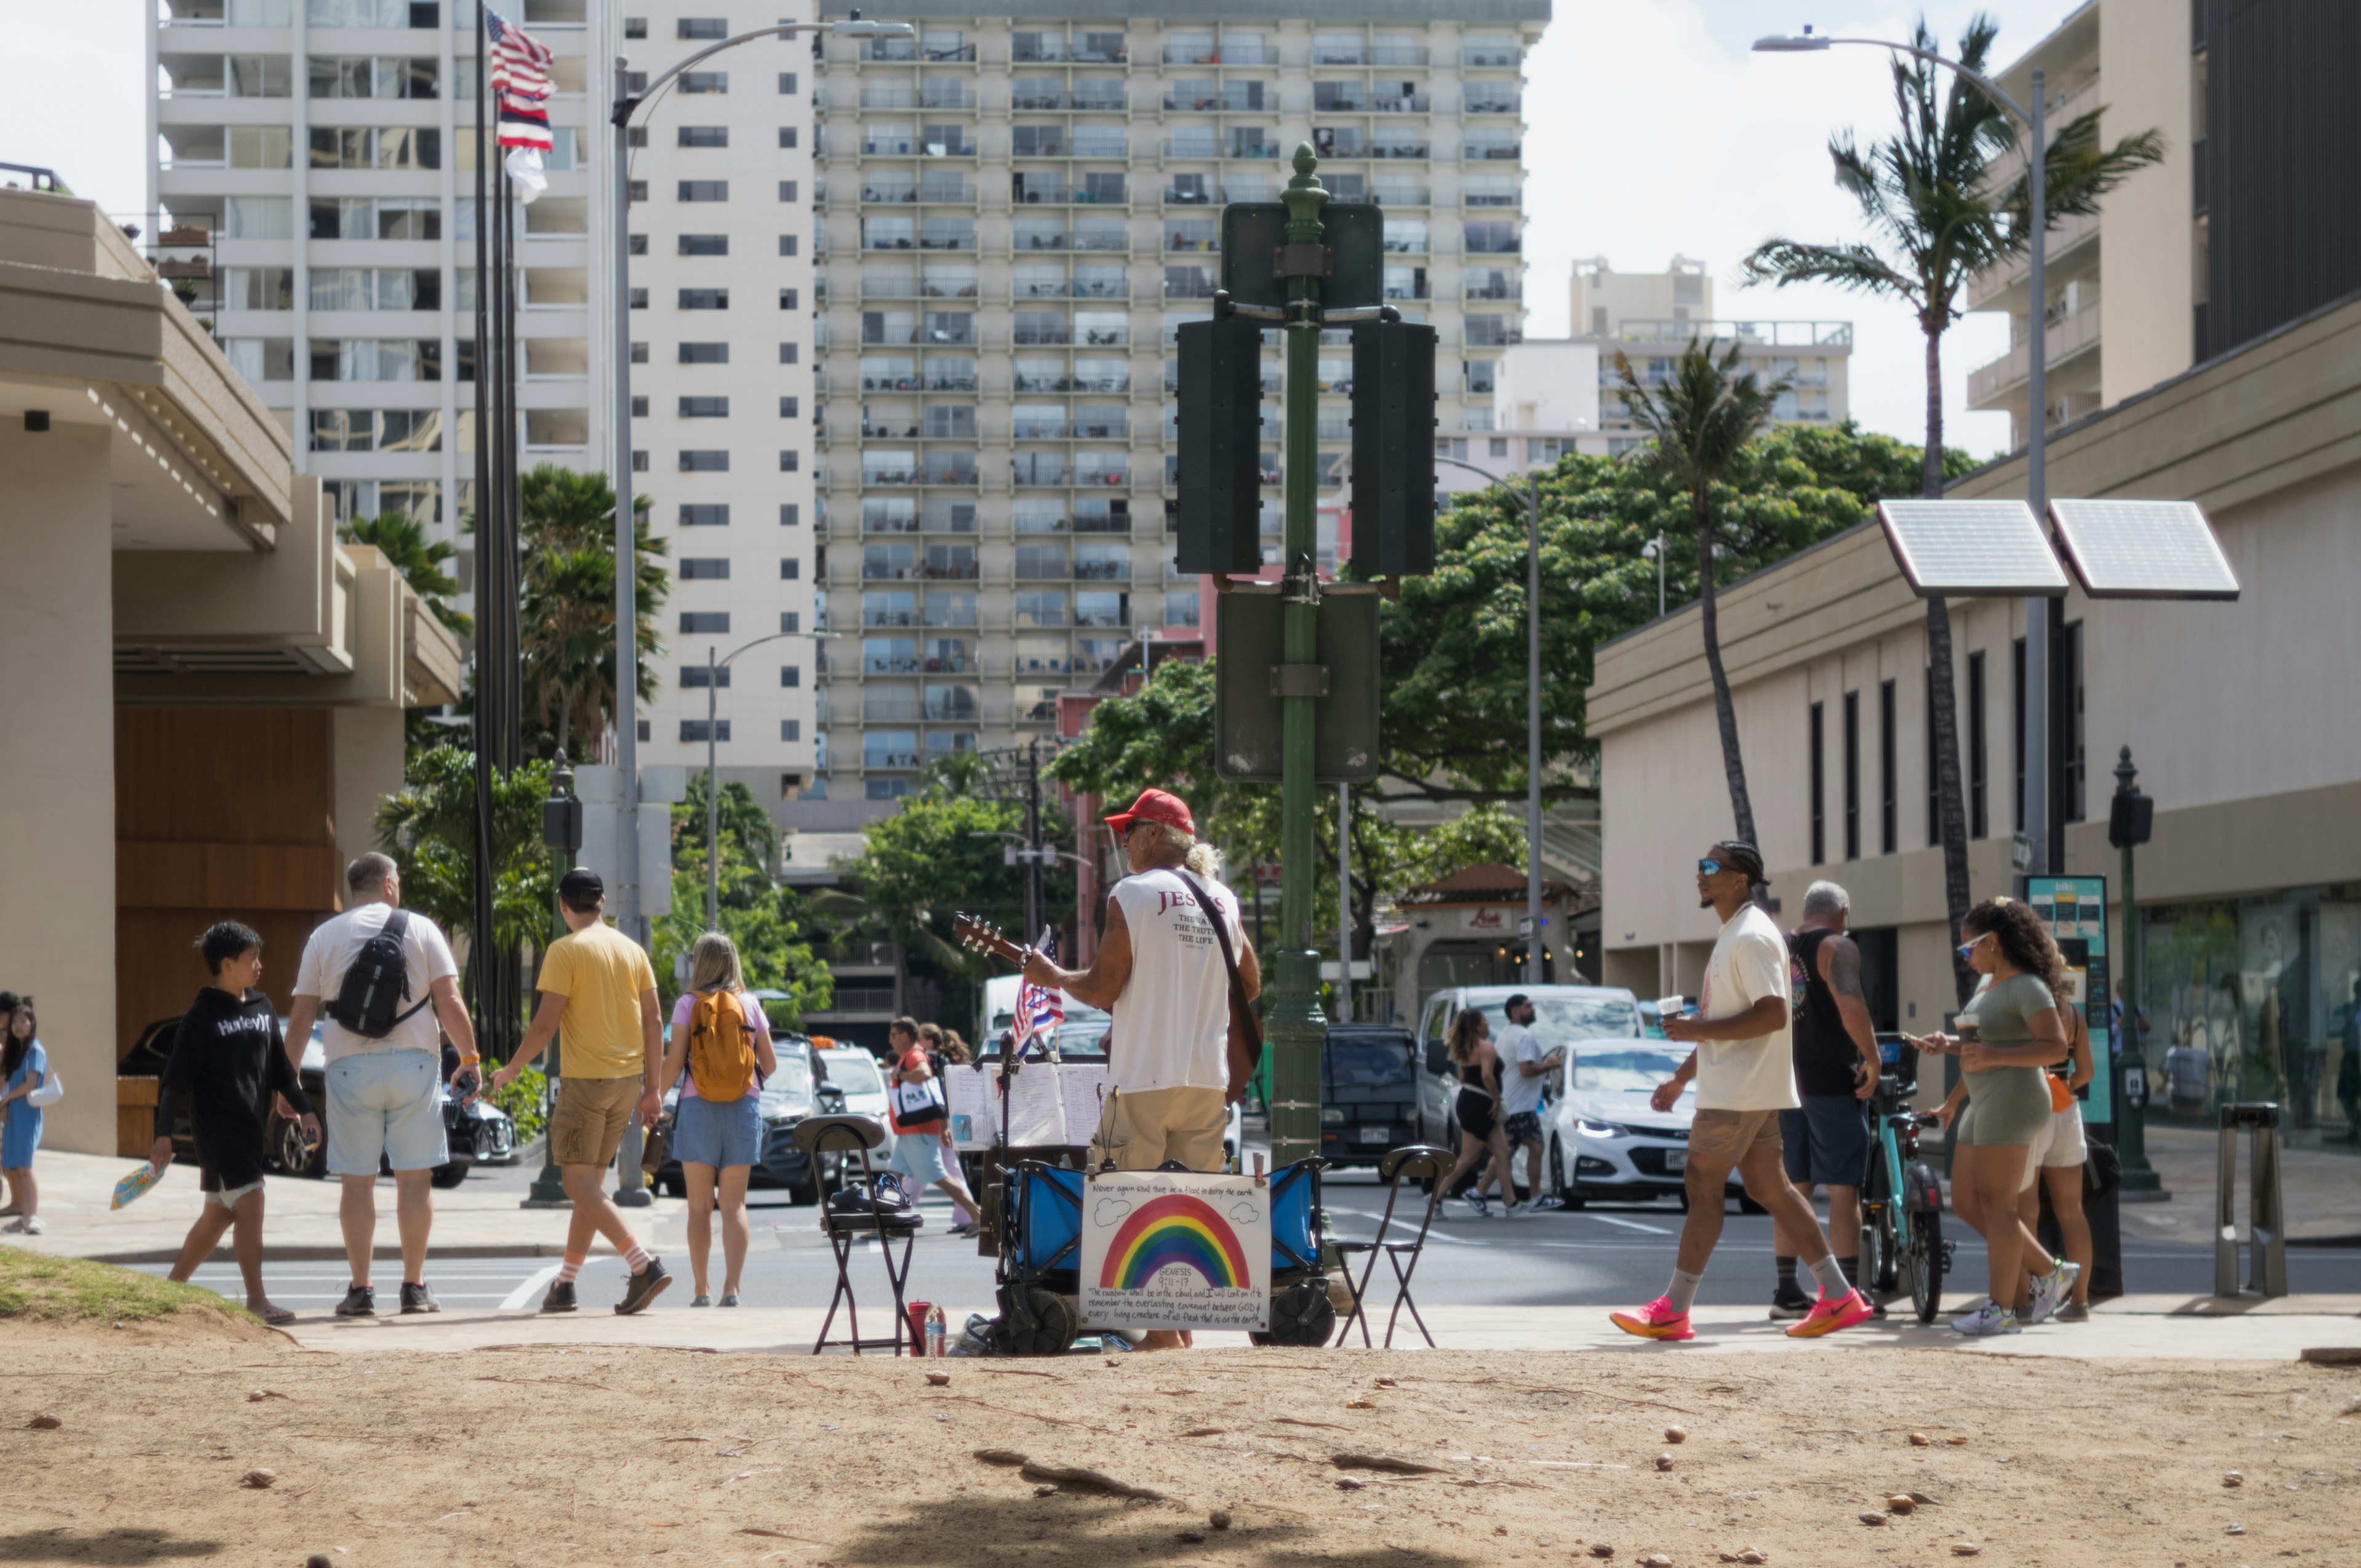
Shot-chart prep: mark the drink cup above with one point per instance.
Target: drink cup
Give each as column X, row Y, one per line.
column 916, row 1312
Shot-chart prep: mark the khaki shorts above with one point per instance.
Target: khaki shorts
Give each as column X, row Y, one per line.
column 1726, row 1137
column 1140, row 1131
column 586, row 1126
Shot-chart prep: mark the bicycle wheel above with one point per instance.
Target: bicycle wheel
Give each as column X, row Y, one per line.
column 1925, row 1266
column 1878, row 1242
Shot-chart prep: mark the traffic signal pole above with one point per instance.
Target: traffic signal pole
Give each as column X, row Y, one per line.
column 1294, row 1025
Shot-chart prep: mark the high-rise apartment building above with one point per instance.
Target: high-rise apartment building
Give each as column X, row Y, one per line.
column 312, row 194
column 1016, row 211
column 1651, row 317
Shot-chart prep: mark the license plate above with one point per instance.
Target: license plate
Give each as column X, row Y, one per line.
column 1676, row 1161
column 1374, row 1134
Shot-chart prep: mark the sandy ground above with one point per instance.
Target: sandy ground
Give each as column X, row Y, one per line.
column 597, row 1454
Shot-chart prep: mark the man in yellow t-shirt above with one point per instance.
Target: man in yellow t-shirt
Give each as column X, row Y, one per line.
column 598, row 989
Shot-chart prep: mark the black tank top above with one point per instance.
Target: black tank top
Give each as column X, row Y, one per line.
column 1471, row 1076
column 1825, row 1053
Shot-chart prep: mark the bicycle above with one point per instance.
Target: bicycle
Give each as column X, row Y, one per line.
column 1902, row 1247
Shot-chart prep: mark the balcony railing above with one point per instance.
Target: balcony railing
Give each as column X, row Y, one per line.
column 2065, row 337
column 1478, row 151
column 1776, row 333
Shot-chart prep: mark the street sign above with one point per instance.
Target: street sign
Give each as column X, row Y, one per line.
column 1968, row 549
column 2144, row 550
column 1253, row 234
column 1249, row 674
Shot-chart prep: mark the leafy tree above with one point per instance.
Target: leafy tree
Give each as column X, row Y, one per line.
column 403, row 542
column 760, row 916
column 1938, row 212
column 566, row 618
column 429, row 827
column 1698, row 422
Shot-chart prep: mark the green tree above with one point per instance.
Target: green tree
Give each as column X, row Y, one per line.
column 403, row 542
column 429, row 827
column 1698, row 422
column 1940, row 209
column 774, row 953
column 567, row 617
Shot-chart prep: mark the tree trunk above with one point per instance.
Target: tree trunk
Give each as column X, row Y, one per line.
column 1741, row 807
column 1949, row 804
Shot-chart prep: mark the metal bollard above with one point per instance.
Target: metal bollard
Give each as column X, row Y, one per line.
column 2266, row 1221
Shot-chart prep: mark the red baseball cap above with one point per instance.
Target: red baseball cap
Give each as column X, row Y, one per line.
column 1155, row 806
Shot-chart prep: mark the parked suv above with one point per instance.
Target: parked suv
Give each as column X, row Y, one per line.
column 1564, row 1015
column 1369, row 1093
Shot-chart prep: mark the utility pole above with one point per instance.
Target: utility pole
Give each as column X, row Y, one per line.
column 2128, row 824
column 1033, row 890
column 561, row 833
column 1294, row 1023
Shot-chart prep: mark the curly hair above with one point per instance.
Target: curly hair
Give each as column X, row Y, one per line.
column 1466, row 1030
column 2024, row 939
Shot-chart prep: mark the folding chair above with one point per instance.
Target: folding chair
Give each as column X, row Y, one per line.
column 817, row 1137
column 1412, row 1162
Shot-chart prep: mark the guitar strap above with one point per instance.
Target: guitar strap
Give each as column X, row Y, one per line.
column 1242, row 1012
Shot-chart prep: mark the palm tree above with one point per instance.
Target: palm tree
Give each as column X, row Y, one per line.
column 567, row 614
column 1699, row 420
column 403, row 542
column 1939, row 213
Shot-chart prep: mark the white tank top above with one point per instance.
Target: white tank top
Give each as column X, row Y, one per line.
column 1172, row 1019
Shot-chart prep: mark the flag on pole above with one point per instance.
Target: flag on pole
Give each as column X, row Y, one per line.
column 521, row 91
column 1040, row 1008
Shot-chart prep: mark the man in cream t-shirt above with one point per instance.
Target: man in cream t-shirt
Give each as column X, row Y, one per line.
column 1745, row 1077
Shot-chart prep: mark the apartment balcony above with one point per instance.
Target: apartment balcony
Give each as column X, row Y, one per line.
column 1189, row 198
column 1770, row 334
column 1024, row 382
column 2065, row 243
column 2069, row 338
column 1500, row 151
column 1402, row 196
column 1102, row 571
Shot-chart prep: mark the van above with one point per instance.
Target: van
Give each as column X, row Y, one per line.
column 1562, row 1014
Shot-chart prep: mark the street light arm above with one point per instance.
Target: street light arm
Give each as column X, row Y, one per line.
column 626, row 107
column 774, row 637
column 1779, row 43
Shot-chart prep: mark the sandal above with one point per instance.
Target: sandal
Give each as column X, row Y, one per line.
column 278, row 1317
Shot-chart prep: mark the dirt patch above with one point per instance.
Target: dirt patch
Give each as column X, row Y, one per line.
column 597, row 1455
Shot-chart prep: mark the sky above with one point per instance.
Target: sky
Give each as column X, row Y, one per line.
column 1653, row 131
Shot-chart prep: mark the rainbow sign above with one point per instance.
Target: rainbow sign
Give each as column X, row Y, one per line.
column 1175, row 1228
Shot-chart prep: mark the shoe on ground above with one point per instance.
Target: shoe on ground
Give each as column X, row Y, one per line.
column 418, row 1298
column 1479, row 1205
column 700, row 1299
column 1988, row 1319
column 360, row 1301
column 643, row 1287
column 729, row 1298
column 25, row 1225
column 1655, row 1321
column 1545, row 1202
column 2050, row 1292
column 1517, row 1212
column 1786, row 1306
column 560, row 1298
column 1830, row 1313
column 2074, row 1312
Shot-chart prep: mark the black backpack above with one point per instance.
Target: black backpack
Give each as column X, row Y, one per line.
column 369, row 997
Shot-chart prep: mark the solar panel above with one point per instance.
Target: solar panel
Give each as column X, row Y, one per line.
column 1960, row 549
column 2144, row 550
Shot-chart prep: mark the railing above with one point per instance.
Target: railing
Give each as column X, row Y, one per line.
column 1261, row 149
column 1777, row 333
column 1485, row 245
column 1102, row 523
column 890, row 524
column 1102, row 571
column 1192, row 242
column 1487, row 58
column 2065, row 337
column 1507, row 105
column 1479, row 151
column 1402, row 196
column 2068, row 233
column 1494, row 291
column 943, row 383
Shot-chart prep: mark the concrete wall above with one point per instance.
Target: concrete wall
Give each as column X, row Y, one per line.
column 2150, row 257
column 1548, row 385
column 369, row 767
column 57, row 767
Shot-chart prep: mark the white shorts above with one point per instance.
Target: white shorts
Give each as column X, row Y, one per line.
column 2058, row 1145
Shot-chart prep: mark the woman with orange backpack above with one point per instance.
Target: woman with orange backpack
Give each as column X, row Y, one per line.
column 721, row 1052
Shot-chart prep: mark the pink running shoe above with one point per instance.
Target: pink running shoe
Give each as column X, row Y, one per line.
column 1655, row 1321
column 1833, row 1312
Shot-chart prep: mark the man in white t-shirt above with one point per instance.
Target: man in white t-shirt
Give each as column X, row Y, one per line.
column 382, row 1099
column 1525, row 1067
column 1745, row 1077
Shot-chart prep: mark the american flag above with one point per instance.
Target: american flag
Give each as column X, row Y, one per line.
column 520, row 84
column 1040, row 1008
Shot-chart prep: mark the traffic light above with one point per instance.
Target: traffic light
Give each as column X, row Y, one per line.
column 1220, row 446
column 1393, row 449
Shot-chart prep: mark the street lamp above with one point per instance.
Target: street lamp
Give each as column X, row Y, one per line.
column 713, row 668
column 1532, row 496
column 627, row 652
column 2048, row 851
column 1654, row 551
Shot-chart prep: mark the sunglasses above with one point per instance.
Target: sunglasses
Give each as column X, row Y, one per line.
column 1967, row 949
column 1715, row 868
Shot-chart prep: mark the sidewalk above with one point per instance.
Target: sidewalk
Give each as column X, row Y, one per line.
column 2131, row 1328
column 300, row 1217
column 2322, row 1192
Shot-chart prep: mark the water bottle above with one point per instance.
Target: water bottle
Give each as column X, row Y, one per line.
column 934, row 1346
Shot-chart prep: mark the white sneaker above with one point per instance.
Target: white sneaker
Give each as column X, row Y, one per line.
column 2052, row 1291
column 1545, row 1201
column 1479, row 1205
column 1988, row 1319
column 26, row 1225
column 1518, row 1211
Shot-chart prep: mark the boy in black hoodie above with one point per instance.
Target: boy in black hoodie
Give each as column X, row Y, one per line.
column 227, row 1055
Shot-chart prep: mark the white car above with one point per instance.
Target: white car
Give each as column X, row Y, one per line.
column 1605, row 1139
column 856, row 1072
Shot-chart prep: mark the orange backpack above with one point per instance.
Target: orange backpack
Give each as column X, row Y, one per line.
column 720, row 1047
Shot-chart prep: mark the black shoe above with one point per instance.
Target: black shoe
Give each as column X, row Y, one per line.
column 560, row 1298
column 643, row 1287
column 1787, row 1304
column 418, row 1298
column 360, row 1301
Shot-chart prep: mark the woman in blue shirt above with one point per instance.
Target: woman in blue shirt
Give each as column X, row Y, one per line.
column 24, row 1067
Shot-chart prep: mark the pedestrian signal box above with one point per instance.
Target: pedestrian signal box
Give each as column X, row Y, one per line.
column 1220, row 446
column 1393, row 449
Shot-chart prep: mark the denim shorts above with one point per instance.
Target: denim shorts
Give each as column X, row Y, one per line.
column 1827, row 1142
column 384, row 1105
column 718, row 1132
column 919, row 1157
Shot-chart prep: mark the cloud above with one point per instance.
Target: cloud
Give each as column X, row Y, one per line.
column 1110, row 1212
column 1653, row 130
column 1245, row 1214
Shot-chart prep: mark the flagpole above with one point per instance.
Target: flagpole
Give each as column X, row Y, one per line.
column 480, row 946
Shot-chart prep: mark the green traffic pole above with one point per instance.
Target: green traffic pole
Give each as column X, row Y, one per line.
column 1295, row 1025
column 2139, row 1181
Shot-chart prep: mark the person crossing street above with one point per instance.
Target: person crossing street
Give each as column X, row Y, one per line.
column 1826, row 1142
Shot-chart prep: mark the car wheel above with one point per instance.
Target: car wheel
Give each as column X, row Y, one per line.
column 1565, row 1188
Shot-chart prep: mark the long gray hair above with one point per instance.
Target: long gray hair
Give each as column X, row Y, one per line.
column 1201, row 857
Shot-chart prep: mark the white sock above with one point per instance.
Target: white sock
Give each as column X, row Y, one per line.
column 572, row 1266
column 636, row 1257
column 1682, row 1291
column 1833, row 1285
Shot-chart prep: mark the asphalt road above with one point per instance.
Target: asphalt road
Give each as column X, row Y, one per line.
column 1601, row 1256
